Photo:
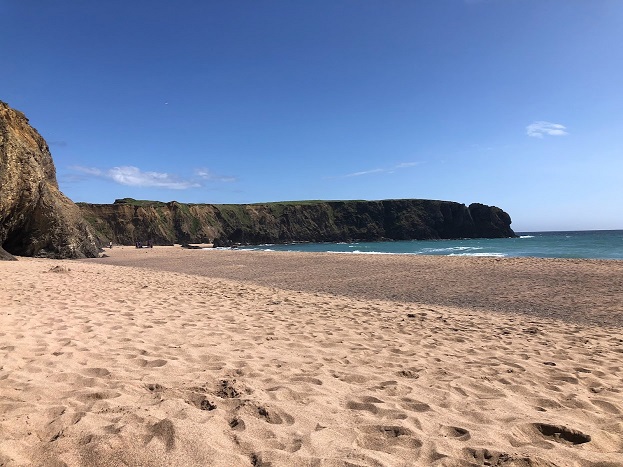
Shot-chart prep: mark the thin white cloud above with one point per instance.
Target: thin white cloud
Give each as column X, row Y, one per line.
column 365, row 172
column 207, row 175
column 133, row 176
column 541, row 129
column 402, row 165
column 86, row 170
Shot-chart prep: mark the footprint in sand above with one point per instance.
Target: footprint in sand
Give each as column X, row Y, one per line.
column 237, row 424
column 199, row 401
column 155, row 387
column 480, row 456
column 150, row 363
column 97, row 372
column 607, row 406
column 388, row 438
column 273, row 415
column 350, row 378
column 164, row 431
column 415, row 405
column 306, row 379
column 455, row 432
column 368, row 407
column 562, row 434
column 367, row 404
column 409, row 373
column 392, row 388
column 228, row 389
column 98, row 395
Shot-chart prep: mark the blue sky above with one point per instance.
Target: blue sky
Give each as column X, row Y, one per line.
column 514, row 103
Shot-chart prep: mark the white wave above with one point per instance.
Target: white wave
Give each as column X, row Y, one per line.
column 358, row 252
column 375, row 253
column 452, row 248
column 526, row 236
column 496, row 255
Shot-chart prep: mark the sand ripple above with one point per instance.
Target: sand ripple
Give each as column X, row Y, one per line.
column 105, row 366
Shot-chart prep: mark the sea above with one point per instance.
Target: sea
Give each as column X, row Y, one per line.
column 593, row 244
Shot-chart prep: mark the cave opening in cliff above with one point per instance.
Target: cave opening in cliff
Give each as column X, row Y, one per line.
column 17, row 244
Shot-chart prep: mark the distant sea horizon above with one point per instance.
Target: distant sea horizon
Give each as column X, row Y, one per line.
column 581, row 244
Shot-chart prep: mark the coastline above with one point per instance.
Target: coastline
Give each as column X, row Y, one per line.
column 148, row 364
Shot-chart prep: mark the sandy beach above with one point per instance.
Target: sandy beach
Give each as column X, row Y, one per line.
column 173, row 357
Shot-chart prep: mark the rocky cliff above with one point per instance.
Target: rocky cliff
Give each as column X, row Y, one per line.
column 36, row 219
column 128, row 220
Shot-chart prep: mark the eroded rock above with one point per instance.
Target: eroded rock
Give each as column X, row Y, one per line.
column 36, row 219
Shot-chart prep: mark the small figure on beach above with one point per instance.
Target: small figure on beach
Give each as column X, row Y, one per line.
column 150, row 243
column 110, row 244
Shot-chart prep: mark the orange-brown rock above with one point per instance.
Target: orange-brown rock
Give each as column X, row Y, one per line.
column 36, row 219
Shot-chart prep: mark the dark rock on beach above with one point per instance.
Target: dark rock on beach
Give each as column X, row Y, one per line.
column 4, row 256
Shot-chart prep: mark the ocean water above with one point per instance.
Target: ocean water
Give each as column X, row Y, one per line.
column 596, row 244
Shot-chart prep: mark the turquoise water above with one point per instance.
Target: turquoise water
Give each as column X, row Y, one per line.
column 598, row 244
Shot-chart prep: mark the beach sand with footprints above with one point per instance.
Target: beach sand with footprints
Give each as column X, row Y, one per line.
column 172, row 357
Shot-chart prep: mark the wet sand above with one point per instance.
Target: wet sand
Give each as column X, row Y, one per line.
column 586, row 291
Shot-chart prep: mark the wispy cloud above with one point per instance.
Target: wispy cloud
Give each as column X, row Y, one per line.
column 86, row 170
column 206, row 174
column 365, row 172
column 133, row 176
column 541, row 129
column 402, row 165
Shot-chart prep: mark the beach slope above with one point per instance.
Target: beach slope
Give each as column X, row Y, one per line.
column 106, row 365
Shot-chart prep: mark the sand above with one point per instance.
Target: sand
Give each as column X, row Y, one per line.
column 287, row 359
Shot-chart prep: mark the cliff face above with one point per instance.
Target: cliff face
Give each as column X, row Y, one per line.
column 36, row 219
column 128, row 221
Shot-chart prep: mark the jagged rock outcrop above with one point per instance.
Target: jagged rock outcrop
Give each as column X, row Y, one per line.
column 36, row 219
column 128, row 221
column 4, row 256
